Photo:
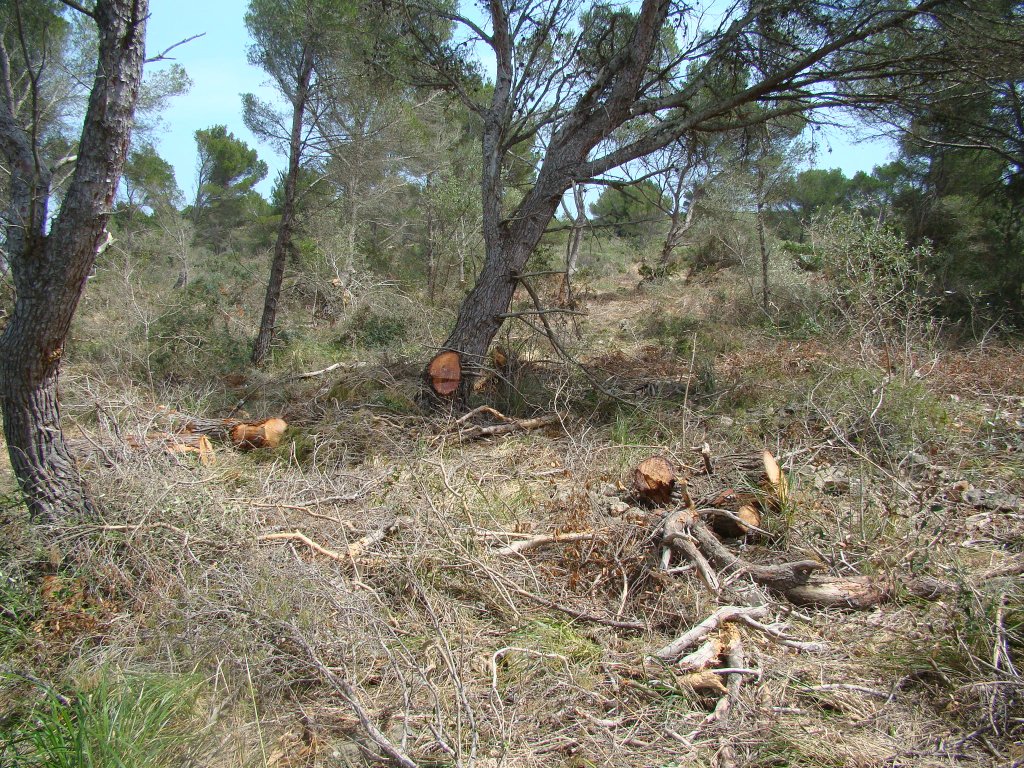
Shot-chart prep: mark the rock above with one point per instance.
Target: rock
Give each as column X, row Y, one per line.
column 993, row 500
column 726, row 422
column 618, row 508
column 833, row 481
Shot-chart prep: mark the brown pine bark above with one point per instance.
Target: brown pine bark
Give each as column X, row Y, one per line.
column 50, row 269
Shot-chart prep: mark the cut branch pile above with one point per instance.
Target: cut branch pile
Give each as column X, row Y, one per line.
column 733, row 513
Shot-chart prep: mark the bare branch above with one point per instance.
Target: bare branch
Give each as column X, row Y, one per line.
column 162, row 56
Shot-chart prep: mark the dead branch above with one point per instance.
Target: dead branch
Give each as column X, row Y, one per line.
column 333, row 367
column 708, row 652
column 574, row 612
column 352, row 552
column 484, row 409
column 348, row 693
column 736, row 659
column 545, row 540
column 689, row 638
column 687, row 546
column 516, row 425
column 775, row 634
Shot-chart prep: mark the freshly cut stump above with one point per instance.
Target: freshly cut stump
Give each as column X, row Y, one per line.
column 445, row 373
column 654, row 479
column 775, row 483
column 263, row 434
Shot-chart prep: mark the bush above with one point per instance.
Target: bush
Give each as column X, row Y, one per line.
column 372, row 329
column 875, row 280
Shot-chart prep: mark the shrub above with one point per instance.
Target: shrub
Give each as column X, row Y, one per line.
column 875, row 280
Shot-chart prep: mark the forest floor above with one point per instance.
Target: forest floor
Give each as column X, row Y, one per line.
column 355, row 596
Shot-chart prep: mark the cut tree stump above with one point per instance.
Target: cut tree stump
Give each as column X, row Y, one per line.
column 745, row 517
column 654, row 480
column 444, row 374
column 243, row 435
column 263, row 434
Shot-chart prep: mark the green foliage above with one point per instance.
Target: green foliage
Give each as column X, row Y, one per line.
column 119, row 720
column 881, row 416
column 876, row 281
column 199, row 338
column 19, row 606
column 228, row 171
column 635, row 212
column 149, row 182
column 372, row 329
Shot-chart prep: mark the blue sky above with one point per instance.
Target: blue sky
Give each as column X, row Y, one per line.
column 220, row 73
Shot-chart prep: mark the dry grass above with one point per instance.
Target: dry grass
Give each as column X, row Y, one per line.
column 464, row 657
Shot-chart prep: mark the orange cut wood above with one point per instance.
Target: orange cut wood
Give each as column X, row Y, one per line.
column 263, row 434
column 776, row 484
column 654, row 479
column 445, row 372
column 749, row 517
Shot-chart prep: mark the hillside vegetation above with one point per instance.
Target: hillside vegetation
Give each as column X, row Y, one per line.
column 181, row 626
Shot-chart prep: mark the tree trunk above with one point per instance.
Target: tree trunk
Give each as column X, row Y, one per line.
column 480, row 314
column 762, row 242
column 50, row 269
column 283, row 244
column 29, row 367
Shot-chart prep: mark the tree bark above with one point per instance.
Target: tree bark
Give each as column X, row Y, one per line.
column 283, row 244
column 762, row 241
column 50, row 269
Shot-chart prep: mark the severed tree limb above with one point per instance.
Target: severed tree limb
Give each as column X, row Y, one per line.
column 353, row 551
column 778, row 635
column 745, row 524
column 484, row 409
column 515, row 425
column 736, row 659
column 708, row 652
column 687, row 546
column 545, row 540
column 675, row 649
column 778, row 577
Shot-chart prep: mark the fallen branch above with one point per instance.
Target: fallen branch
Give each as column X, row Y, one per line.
column 516, row 425
column 352, row 552
column 484, row 409
column 707, row 573
column 545, row 540
column 574, row 612
column 348, row 693
column 675, row 649
column 329, row 369
column 736, row 659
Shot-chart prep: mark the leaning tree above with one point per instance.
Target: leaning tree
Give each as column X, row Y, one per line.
column 51, row 256
column 594, row 87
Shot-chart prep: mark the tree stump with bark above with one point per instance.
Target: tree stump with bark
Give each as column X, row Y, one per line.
column 444, row 374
